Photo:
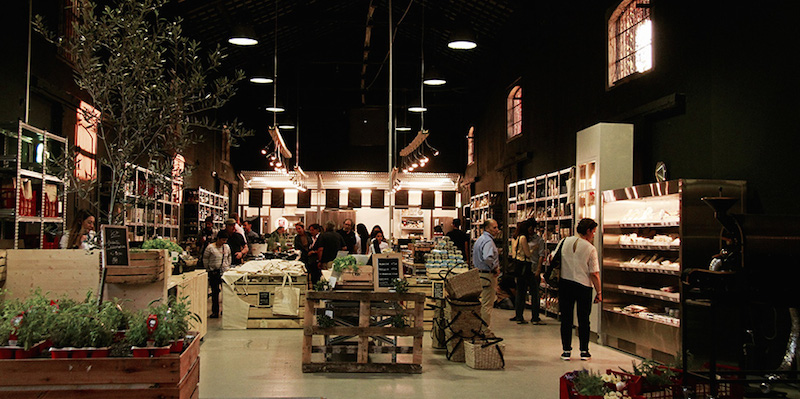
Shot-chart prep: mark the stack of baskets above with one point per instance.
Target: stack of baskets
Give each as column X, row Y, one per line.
column 467, row 338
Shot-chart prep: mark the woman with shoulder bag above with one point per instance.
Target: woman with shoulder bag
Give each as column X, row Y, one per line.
column 579, row 272
column 521, row 255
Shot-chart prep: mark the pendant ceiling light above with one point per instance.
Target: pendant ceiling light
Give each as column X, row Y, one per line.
column 433, row 77
column 261, row 76
column 462, row 38
column 243, row 35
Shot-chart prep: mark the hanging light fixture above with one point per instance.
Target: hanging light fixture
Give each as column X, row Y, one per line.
column 462, row 38
column 243, row 35
column 433, row 78
column 261, row 76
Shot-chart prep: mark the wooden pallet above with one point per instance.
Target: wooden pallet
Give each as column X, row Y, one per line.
column 173, row 376
column 368, row 334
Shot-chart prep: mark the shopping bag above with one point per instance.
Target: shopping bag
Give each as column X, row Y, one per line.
column 552, row 274
column 287, row 299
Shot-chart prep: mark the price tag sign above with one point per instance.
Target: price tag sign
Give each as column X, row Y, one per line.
column 263, row 299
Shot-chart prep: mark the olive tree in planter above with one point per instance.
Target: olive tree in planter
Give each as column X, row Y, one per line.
column 153, row 91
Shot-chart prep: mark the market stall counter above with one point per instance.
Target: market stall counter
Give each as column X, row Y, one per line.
column 264, row 294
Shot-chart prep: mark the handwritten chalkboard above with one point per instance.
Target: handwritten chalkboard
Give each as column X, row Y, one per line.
column 387, row 269
column 115, row 245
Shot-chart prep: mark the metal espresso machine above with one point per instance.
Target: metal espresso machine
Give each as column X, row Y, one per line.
column 741, row 310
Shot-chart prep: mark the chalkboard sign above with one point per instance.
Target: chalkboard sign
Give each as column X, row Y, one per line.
column 387, row 268
column 115, row 245
column 263, row 298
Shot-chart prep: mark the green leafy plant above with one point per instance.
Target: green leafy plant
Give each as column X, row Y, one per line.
column 37, row 315
column 344, row 263
column 400, row 285
column 322, row 285
column 5, row 331
column 160, row 243
column 179, row 316
column 138, row 334
column 654, row 374
column 324, row 321
column 589, row 383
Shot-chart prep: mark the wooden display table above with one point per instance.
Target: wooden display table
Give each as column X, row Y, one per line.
column 373, row 312
column 171, row 376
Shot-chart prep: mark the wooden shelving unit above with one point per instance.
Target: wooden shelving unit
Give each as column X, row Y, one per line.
column 198, row 204
column 32, row 197
column 151, row 209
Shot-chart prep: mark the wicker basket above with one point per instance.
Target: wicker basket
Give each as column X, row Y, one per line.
column 464, row 286
column 485, row 354
column 463, row 320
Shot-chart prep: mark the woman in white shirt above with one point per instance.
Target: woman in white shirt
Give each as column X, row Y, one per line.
column 217, row 260
column 579, row 272
column 81, row 235
column 377, row 245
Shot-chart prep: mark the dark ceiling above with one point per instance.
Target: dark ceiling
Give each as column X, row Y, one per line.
column 333, row 72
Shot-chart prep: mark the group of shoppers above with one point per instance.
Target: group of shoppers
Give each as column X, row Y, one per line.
column 318, row 247
column 580, row 271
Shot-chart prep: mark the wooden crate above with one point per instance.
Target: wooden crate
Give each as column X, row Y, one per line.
column 70, row 272
column 138, row 295
column 258, row 291
column 145, row 267
column 172, row 376
column 366, row 334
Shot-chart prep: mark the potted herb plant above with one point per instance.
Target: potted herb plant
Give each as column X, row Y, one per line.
column 138, row 334
column 180, row 316
column 340, row 265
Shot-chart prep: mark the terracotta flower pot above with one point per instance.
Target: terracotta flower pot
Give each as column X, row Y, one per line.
column 177, row 346
column 59, row 353
column 139, row 351
column 7, row 352
column 161, row 351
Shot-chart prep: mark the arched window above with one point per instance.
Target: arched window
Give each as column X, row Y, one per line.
column 471, row 145
column 630, row 45
column 514, row 112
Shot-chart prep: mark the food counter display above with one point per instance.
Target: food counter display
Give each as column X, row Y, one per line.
column 650, row 234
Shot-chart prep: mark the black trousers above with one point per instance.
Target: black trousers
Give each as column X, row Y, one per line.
column 215, row 282
column 570, row 295
column 526, row 281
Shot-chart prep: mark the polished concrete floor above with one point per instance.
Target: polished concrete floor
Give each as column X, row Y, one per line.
column 267, row 364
